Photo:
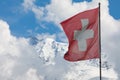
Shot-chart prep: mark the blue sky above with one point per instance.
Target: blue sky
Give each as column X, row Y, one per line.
column 27, row 18
column 24, row 24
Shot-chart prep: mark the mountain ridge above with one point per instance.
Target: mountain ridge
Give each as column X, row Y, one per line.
column 51, row 54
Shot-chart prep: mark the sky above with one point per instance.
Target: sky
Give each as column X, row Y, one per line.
column 20, row 19
column 25, row 22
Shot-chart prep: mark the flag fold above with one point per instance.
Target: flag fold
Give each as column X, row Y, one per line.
column 83, row 35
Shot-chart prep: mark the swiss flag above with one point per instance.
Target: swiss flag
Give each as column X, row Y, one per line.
column 83, row 35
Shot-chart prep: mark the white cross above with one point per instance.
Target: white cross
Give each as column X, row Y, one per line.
column 82, row 35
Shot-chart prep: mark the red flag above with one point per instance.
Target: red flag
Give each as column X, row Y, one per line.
column 83, row 35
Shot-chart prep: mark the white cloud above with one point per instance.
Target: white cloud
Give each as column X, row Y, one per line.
column 16, row 54
column 30, row 75
column 5, row 33
column 59, row 10
column 20, row 61
column 29, row 5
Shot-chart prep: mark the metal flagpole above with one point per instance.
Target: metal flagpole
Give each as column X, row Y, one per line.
column 100, row 45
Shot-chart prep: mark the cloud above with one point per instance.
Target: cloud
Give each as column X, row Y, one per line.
column 31, row 74
column 110, row 33
column 20, row 61
column 56, row 11
column 30, row 6
column 59, row 10
column 16, row 56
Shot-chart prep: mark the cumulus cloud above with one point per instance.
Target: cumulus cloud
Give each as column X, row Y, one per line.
column 110, row 33
column 16, row 56
column 19, row 60
column 29, row 5
column 59, row 10
column 31, row 74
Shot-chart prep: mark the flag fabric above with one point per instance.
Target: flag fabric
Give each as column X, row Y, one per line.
column 83, row 35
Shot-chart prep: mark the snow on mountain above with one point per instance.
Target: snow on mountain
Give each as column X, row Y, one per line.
column 49, row 50
column 56, row 68
column 41, row 58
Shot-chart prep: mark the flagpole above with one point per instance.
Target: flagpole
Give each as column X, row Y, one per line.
column 100, row 60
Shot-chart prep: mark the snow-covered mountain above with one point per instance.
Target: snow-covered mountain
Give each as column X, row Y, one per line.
column 56, row 68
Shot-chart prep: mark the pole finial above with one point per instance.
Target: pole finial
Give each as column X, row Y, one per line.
column 99, row 3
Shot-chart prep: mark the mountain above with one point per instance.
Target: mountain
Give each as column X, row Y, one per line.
column 54, row 67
